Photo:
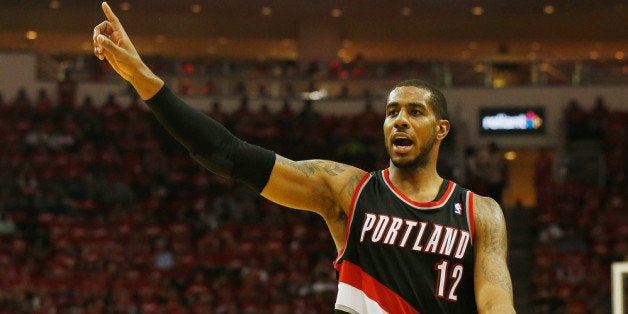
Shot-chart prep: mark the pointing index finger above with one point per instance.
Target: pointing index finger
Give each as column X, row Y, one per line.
column 112, row 18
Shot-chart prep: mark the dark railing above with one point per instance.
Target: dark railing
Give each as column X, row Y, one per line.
column 276, row 78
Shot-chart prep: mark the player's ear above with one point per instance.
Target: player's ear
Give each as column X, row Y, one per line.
column 442, row 129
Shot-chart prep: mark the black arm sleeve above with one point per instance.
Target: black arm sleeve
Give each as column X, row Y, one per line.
column 210, row 143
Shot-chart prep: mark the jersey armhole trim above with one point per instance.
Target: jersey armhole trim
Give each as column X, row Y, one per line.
column 354, row 200
column 470, row 216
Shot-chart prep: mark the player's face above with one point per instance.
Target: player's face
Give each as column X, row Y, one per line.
column 410, row 127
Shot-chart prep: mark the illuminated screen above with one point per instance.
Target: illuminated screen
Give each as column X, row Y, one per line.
column 524, row 120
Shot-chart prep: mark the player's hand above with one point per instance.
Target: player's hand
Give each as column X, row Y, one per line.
column 113, row 44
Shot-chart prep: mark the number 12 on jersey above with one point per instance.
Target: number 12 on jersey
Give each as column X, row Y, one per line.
column 447, row 288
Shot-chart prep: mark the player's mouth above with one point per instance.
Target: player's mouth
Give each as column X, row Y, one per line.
column 401, row 144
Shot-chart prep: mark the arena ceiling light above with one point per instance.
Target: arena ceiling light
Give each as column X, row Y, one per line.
column 54, row 4
column 196, row 8
column 477, row 10
column 31, row 35
column 336, row 12
column 266, row 11
column 549, row 9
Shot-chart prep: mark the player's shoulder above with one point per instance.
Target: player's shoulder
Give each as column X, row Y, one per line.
column 487, row 210
column 485, row 203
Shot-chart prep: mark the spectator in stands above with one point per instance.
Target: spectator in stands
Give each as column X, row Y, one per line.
column 344, row 91
column 209, row 88
column 358, row 68
column 285, row 116
column 575, row 120
column 7, row 225
column 240, row 89
column 40, row 133
column 488, row 166
column 497, row 176
column 66, row 90
column 163, row 255
column 262, row 90
column 29, row 183
column 21, row 105
column 313, row 69
column 265, row 124
column 43, row 106
column 543, row 170
column 89, row 120
column 111, row 106
column 598, row 118
column 288, row 90
column 217, row 113
column 308, row 116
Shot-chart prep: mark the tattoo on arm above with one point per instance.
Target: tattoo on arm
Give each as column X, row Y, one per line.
column 310, row 167
column 352, row 184
column 496, row 272
column 333, row 169
column 495, row 246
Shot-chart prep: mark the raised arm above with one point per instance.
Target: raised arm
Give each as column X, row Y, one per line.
column 320, row 186
column 493, row 286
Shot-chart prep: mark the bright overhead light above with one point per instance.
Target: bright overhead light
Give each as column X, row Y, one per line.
column 267, row 11
column 196, row 8
column 54, row 4
column 510, row 155
column 31, row 35
column 336, row 12
column 477, row 10
column 619, row 55
column 549, row 9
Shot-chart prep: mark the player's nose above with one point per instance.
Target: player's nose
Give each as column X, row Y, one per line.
column 401, row 120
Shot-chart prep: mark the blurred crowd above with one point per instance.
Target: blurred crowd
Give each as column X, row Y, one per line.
column 581, row 228
column 102, row 212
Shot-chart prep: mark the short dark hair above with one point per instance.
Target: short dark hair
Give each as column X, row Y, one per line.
column 438, row 103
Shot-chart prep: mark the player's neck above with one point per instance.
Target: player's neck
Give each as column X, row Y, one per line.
column 420, row 184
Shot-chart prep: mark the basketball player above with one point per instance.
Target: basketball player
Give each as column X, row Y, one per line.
column 408, row 240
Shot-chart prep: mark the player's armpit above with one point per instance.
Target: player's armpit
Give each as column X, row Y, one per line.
column 493, row 286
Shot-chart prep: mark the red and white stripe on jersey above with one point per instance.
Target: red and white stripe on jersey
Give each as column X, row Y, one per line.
column 359, row 292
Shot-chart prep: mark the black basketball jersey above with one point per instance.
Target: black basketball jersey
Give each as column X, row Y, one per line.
column 403, row 256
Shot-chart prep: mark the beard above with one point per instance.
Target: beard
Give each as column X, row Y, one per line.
column 421, row 159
